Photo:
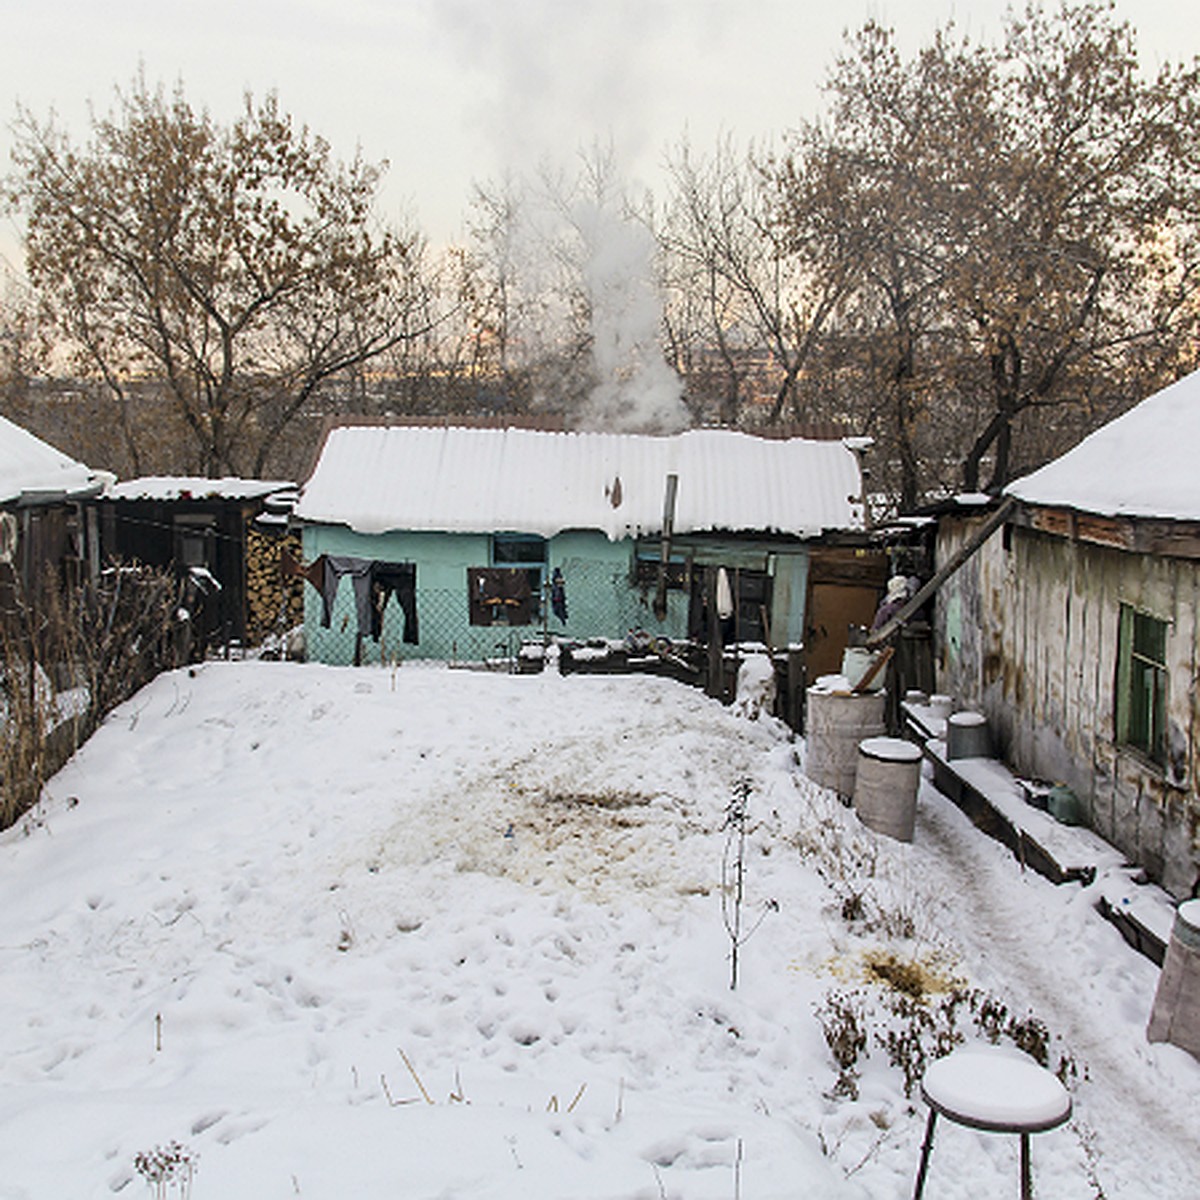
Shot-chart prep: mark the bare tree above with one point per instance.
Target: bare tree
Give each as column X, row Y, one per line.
column 767, row 250
column 1058, row 210
column 241, row 266
column 883, row 138
column 1024, row 218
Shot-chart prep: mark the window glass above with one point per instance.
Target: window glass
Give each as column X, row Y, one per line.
column 1142, row 683
column 517, row 549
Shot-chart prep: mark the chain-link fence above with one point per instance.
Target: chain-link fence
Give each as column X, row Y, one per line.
column 601, row 602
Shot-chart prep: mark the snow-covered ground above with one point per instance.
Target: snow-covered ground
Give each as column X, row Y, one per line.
column 365, row 933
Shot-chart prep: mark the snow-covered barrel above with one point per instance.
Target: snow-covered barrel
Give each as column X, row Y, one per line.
column 967, row 735
column 885, row 786
column 837, row 720
column 1175, row 1017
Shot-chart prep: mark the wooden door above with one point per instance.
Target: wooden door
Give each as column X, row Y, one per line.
column 844, row 589
column 832, row 609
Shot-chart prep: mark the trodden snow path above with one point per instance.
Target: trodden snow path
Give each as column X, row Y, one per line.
column 1049, row 950
column 438, row 934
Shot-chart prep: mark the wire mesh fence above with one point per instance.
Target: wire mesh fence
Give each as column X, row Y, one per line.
column 601, row 602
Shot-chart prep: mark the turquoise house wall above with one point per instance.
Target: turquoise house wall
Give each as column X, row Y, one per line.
column 789, row 594
column 601, row 599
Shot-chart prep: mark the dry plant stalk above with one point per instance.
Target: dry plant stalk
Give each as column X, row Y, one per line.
column 68, row 656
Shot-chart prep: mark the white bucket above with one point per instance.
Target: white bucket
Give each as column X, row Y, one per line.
column 856, row 662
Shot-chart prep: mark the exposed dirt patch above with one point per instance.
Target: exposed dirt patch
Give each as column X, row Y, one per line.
column 912, row 976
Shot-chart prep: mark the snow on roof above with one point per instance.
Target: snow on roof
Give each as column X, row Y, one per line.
column 195, row 487
column 452, row 479
column 1142, row 464
column 29, row 466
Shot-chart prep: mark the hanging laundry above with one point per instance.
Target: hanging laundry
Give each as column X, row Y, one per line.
column 292, row 568
column 558, row 595
column 399, row 578
column 359, row 570
column 724, row 595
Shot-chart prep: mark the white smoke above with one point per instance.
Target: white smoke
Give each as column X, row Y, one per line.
column 558, row 70
column 635, row 388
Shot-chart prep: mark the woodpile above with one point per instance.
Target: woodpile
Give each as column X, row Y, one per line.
column 273, row 604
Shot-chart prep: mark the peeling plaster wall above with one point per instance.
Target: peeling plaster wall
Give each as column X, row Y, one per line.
column 1026, row 632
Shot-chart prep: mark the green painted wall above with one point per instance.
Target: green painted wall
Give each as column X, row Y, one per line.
column 601, row 600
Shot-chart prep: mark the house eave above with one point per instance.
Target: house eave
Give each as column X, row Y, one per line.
column 1157, row 536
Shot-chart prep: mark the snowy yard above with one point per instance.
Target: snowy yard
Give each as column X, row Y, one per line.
column 426, row 933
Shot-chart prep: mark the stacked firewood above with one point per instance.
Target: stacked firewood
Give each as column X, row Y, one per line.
column 274, row 603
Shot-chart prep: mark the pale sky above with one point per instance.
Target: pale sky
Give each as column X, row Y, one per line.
column 455, row 91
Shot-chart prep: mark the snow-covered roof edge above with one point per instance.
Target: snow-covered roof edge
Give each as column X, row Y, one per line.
column 31, row 470
column 196, row 487
column 375, row 479
column 1141, row 464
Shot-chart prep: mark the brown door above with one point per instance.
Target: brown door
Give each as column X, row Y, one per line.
column 845, row 586
column 832, row 609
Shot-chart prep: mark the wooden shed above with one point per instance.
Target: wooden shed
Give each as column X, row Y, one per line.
column 211, row 533
column 1074, row 628
column 47, row 524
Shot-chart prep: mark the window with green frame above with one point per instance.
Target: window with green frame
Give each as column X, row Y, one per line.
column 1142, row 683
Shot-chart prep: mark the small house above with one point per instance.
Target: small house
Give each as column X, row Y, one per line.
column 487, row 536
column 47, row 524
column 1075, row 629
column 221, row 536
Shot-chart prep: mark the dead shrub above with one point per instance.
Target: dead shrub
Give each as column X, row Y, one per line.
column 67, row 658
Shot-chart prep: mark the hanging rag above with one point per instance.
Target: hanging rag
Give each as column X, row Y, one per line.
column 359, row 570
column 292, row 568
column 724, row 595
column 558, row 595
column 400, row 578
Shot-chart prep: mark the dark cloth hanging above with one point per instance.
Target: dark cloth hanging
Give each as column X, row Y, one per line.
column 558, row 595
column 359, row 570
column 314, row 571
column 399, row 578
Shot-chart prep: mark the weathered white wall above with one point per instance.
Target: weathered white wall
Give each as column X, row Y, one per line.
column 1026, row 632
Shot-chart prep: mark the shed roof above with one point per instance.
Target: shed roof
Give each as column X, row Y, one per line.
column 194, row 487
column 455, row 479
column 1142, row 464
column 31, row 468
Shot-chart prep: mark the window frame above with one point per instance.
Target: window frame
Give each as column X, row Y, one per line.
column 504, row 546
column 1142, row 683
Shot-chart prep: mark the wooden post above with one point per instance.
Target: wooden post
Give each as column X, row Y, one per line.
column 716, row 647
column 664, row 549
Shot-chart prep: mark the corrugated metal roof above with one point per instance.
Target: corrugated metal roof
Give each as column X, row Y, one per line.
column 194, row 487
column 374, row 479
column 29, row 466
column 1143, row 464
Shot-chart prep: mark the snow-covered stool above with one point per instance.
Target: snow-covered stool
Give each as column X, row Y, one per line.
column 997, row 1090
